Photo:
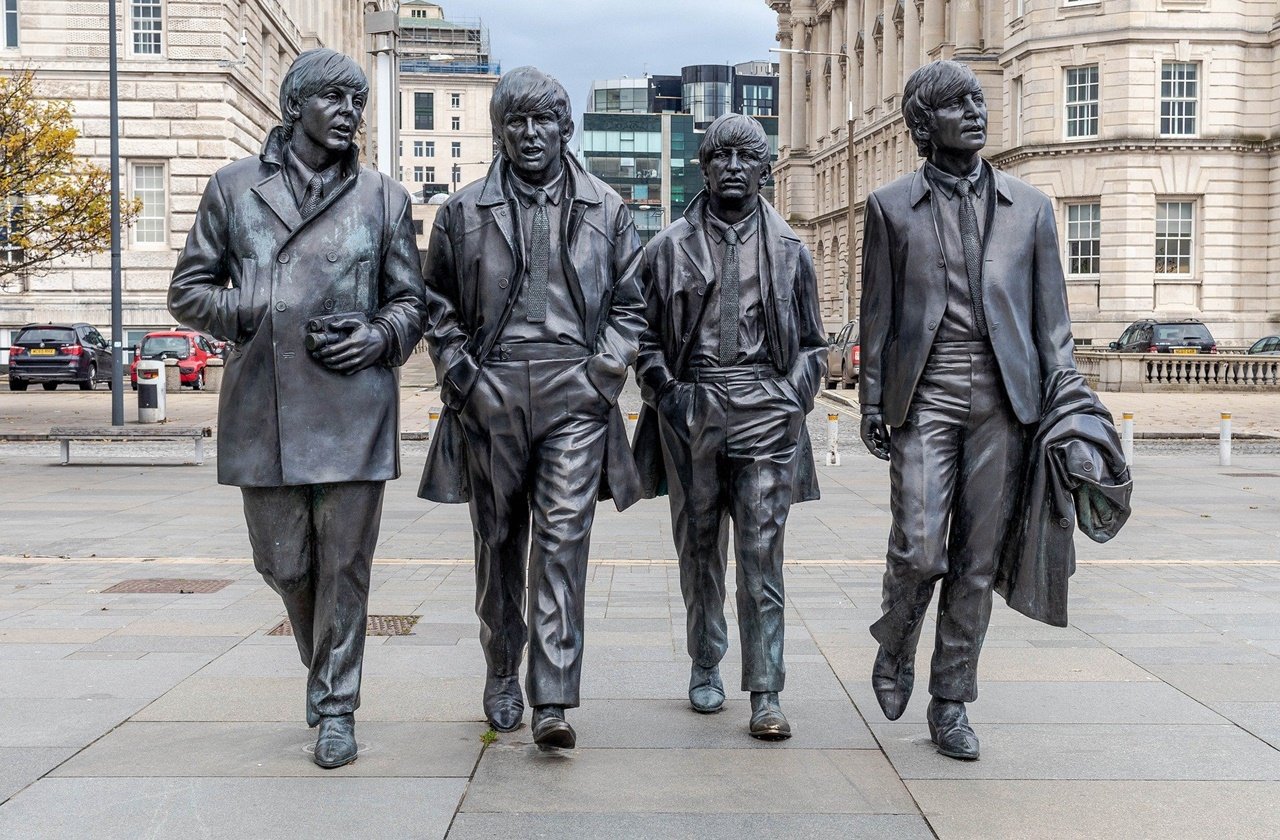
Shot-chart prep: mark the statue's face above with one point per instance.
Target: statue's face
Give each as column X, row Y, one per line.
column 331, row 117
column 735, row 174
column 533, row 142
column 961, row 124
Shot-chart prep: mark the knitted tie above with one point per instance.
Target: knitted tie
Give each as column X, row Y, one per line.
column 539, row 255
column 311, row 198
column 972, row 252
column 729, row 303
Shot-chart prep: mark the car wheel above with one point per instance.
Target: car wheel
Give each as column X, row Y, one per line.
column 49, row 386
column 17, row 385
column 133, row 386
column 92, row 382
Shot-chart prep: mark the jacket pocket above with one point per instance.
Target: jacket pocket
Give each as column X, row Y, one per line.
column 251, row 305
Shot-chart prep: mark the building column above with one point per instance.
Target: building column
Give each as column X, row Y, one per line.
column 968, row 24
column 799, row 66
column 839, row 104
column 818, row 82
column 784, row 86
column 853, row 85
column 911, row 58
column 932, row 34
column 891, row 69
column 871, row 68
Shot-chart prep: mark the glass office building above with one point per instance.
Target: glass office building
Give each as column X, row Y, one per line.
column 641, row 136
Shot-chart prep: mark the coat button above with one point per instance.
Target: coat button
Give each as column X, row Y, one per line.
column 701, row 290
column 284, row 258
column 331, row 257
column 1064, row 522
column 995, row 327
column 503, row 283
column 280, row 306
column 328, row 304
column 933, row 325
column 1088, row 466
column 942, row 263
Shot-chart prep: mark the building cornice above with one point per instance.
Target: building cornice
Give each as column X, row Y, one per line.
column 1020, row 154
column 1129, row 35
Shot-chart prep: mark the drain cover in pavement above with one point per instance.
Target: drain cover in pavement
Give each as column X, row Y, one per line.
column 379, row 625
column 171, row 586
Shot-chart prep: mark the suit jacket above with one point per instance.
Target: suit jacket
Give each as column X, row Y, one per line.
column 473, row 273
column 677, row 270
column 1076, row 475
column 904, row 292
column 254, row 272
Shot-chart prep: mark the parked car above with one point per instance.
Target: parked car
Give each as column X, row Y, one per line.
column 193, row 351
column 1266, row 346
column 844, row 357
column 220, row 348
column 55, row 353
column 1153, row 336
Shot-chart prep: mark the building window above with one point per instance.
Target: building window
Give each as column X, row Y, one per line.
column 146, row 22
column 1175, row 236
column 455, row 150
column 419, row 148
column 455, row 123
column 1082, row 101
column 10, row 24
column 1179, row 94
column 151, row 225
column 429, row 150
column 757, row 100
column 455, row 100
column 429, row 174
column 424, row 111
column 1084, row 239
column 419, row 174
column 1015, row 112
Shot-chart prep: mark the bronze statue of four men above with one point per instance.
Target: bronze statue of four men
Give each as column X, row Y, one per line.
column 535, row 298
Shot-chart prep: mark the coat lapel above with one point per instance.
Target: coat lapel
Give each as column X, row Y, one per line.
column 275, row 193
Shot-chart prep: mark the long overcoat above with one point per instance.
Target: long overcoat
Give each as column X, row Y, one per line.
column 254, row 272
column 473, row 274
column 677, row 271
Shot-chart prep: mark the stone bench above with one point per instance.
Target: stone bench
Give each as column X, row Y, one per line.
column 65, row 434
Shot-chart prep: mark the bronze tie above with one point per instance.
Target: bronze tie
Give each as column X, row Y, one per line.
column 972, row 252
column 729, row 302
column 539, row 257
column 311, row 199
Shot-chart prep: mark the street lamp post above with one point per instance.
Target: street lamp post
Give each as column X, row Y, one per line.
column 117, row 292
column 383, row 28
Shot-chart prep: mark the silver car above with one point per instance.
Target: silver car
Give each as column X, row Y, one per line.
column 844, row 357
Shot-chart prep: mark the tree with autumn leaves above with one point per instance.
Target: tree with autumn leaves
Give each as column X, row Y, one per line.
column 52, row 203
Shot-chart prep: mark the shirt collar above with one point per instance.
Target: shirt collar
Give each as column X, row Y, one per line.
column 745, row 228
column 528, row 193
column 300, row 174
column 946, row 182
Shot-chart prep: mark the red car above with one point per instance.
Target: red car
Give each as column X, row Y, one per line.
column 192, row 350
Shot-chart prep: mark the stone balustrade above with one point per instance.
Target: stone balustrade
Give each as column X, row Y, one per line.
column 1156, row 372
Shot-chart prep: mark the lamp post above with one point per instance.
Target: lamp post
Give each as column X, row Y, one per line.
column 117, row 292
column 383, row 29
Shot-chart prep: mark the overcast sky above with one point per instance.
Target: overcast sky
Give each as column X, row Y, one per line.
column 578, row 41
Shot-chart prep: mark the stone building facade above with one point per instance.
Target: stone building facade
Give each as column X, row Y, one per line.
column 1153, row 124
column 198, row 88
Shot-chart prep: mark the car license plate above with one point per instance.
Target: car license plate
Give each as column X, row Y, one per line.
column 44, row 351
column 1186, row 350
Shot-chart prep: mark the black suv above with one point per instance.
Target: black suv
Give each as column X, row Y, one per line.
column 1152, row 336
column 54, row 353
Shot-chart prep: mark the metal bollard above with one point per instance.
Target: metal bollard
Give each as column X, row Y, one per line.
column 833, row 433
column 1126, row 438
column 433, row 417
column 1224, row 440
column 632, row 418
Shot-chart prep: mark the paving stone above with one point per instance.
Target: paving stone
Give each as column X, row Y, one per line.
column 249, row 750
column 1217, row 683
column 20, row 766
column 1063, row 809
column 61, row 721
column 688, row 826
column 1260, row 718
column 1076, row 751
column 665, row 781
column 190, row 808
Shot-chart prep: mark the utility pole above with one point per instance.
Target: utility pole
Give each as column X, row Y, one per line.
column 117, row 292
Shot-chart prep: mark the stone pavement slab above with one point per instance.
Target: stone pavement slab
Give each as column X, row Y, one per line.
column 469, row 826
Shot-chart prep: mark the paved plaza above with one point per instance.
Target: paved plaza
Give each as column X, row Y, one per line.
column 1155, row 714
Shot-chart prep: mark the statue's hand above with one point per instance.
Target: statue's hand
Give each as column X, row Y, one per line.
column 365, row 346
column 875, row 435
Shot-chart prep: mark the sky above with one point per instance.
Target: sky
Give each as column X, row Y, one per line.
column 578, row 41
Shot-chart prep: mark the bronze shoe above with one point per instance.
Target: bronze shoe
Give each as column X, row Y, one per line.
column 336, row 742
column 950, row 730
column 892, row 678
column 768, row 723
column 503, row 702
column 706, row 691
column 550, row 729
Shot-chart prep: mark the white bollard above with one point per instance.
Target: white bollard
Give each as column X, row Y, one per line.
column 433, row 417
column 833, row 432
column 632, row 418
column 1224, row 440
column 1126, row 438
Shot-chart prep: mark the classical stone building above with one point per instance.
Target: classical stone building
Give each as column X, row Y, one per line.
column 1152, row 123
column 198, row 86
column 447, row 77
